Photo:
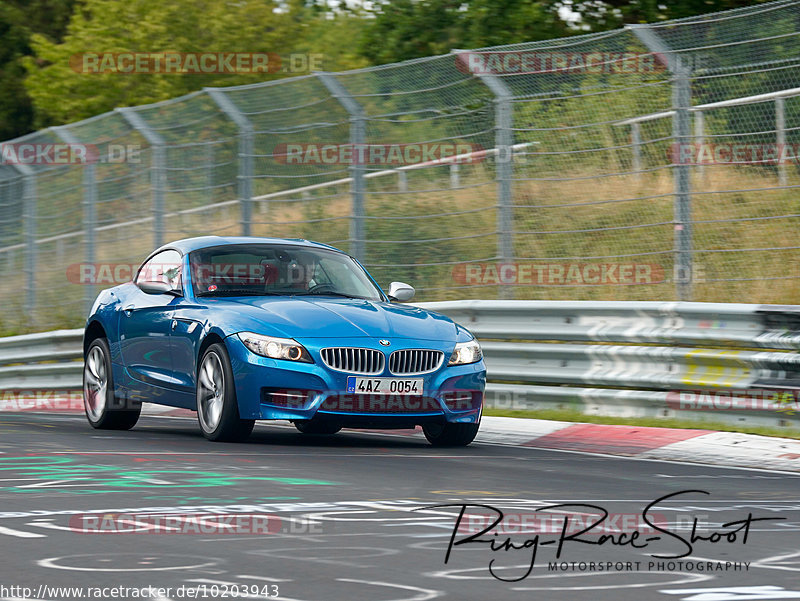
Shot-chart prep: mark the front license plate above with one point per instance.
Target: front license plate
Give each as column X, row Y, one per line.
column 384, row 385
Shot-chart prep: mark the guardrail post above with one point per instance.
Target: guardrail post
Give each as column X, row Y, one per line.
column 89, row 211
column 504, row 141
column 157, row 164
column 358, row 136
column 244, row 179
column 681, row 133
column 780, row 138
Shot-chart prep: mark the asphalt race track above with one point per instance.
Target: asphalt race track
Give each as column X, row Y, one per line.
column 333, row 518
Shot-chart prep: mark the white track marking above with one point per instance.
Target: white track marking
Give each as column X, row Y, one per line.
column 734, row 593
column 51, row 562
column 769, row 562
column 688, row 578
column 465, row 574
column 20, row 533
column 424, row 593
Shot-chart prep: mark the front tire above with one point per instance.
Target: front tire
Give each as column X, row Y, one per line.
column 450, row 435
column 104, row 410
column 217, row 408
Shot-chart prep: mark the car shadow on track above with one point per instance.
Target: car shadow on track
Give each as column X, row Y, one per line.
column 283, row 435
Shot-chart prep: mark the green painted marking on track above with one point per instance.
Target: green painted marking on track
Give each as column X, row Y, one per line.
column 109, row 478
column 181, row 500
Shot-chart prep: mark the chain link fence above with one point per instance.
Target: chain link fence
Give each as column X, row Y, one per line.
column 653, row 162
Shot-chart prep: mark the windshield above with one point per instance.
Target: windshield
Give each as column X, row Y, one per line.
column 277, row 270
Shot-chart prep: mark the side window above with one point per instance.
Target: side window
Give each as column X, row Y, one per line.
column 163, row 267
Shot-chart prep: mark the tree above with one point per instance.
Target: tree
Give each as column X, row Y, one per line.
column 332, row 34
column 16, row 112
column 18, row 20
column 601, row 15
column 62, row 92
column 408, row 29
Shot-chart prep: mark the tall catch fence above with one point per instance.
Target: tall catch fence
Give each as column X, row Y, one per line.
column 655, row 162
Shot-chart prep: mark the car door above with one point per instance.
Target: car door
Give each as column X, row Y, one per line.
column 145, row 323
column 184, row 344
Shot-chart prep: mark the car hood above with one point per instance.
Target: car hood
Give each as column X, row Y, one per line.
column 328, row 317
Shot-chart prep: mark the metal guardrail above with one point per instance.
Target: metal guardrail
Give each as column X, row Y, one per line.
column 694, row 361
column 43, row 361
column 729, row 363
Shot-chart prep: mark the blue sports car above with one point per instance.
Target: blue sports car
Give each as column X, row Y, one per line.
column 241, row 329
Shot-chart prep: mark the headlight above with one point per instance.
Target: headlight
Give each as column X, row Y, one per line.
column 275, row 348
column 466, row 352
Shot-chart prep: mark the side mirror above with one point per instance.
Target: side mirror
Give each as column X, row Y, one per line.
column 157, row 287
column 401, row 292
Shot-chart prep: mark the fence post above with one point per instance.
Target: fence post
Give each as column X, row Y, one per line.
column 402, row 181
column 505, row 154
column 157, row 164
column 780, row 137
column 636, row 147
column 455, row 178
column 29, row 224
column 244, row 179
column 210, row 167
column 700, row 136
column 358, row 136
column 681, row 133
column 89, row 211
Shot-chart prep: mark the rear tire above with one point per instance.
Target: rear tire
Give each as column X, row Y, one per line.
column 104, row 410
column 217, row 408
column 450, row 435
column 307, row 426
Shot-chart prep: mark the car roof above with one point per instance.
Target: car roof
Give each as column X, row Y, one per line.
column 189, row 244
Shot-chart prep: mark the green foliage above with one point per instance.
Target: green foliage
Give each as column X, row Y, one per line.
column 16, row 112
column 598, row 16
column 62, row 93
column 18, row 19
column 408, row 29
column 38, row 87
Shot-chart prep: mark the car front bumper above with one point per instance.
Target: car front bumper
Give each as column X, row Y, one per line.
column 287, row 390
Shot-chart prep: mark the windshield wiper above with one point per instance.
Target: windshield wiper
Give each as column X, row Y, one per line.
column 239, row 292
column 329, row 293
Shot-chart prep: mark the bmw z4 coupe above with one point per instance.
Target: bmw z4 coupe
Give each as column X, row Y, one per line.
column 240, row 329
